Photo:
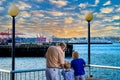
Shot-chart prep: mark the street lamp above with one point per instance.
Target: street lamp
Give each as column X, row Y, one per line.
column 13, row 12
column 88, row 18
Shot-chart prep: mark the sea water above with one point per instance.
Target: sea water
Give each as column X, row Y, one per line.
column 100, row 54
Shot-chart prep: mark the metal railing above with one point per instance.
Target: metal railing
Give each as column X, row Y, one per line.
column 97, row 71
column 4, row 74
column 30, row 74
column 105, row 72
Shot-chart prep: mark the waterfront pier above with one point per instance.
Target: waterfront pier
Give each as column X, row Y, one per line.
column 97, row 72
column 31, row 50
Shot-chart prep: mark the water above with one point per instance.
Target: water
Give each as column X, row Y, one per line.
column 23, row 63
column 101, row 54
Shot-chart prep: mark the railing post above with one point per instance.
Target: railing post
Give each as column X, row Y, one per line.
column 10, row 75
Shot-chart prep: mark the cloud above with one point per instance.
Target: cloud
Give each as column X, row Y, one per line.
column 21, row 20
column 97, row 2
column 109, row 28
column 118, row 9
column 37, row 13
column 99, row 15
column 116, row 17
column 1, row 1
column 59, row 17
column 55, row 13
column 70, row 8
column 116, row 24
column 59, row 3
column 82, row 5
column 106, row 19
column 1, row 8
column 107, row 3
column 39, row 0
column 68, row 20
column 23, row 5
column 25, row 14
column 35, row 20
column 106, row 10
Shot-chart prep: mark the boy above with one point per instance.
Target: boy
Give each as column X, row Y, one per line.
column 68, row 74
column 78, row 65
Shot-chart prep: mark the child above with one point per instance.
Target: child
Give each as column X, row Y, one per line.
column 68, row 74
column 78, row 65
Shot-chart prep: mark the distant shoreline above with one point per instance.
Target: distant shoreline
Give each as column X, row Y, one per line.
column 93, row 43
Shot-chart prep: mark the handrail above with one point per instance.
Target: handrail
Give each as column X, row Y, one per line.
column 43, row 69
column 28, row 70
column 101, row 66
column 37, row 73
column 7, row 71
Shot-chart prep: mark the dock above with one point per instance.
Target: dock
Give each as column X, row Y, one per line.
column 30, row 50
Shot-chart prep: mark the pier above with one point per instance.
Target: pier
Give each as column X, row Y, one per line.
column 31, row 50
column 39, row 74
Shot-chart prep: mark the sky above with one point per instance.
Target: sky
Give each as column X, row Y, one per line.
column 62, row 18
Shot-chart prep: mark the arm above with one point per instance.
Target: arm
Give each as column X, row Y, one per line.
column 84, row 63
column 61, row 60
column 62, row 66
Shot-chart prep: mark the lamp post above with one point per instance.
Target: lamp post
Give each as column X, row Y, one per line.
column 88, row 18
column 13, row 12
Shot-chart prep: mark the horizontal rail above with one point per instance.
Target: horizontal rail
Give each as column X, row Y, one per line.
column 108, row 67
column 28, row 70
column 105, row 72
column 6, row 71
column 39, row 74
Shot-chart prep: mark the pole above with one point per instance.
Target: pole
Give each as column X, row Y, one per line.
column 88, row 48
column 13, row 46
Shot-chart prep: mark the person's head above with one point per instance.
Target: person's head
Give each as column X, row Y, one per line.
column 75, row 55
column 67, row 65
column 63, row 46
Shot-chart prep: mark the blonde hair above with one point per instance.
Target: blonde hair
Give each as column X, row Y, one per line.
column 67, row 65
column 75, row 54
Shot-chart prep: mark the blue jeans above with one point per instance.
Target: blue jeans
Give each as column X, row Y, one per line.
column 81, row 77
column 52, row 74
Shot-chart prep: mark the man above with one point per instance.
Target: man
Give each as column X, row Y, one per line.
column 54, row 60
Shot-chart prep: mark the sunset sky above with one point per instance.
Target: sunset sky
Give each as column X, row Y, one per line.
column 62, row 18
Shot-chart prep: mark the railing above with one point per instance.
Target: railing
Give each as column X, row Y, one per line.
column 31, row 74
column 105, row 72
column 4, row 74
column 97, row 71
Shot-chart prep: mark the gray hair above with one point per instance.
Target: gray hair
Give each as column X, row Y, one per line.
column 62, row 44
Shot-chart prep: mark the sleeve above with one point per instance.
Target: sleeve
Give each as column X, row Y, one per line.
column 84, row 62
column 61, row 57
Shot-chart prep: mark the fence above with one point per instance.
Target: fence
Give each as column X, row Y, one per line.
column 105, row 72
column 97, row 71
column 31, row 74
